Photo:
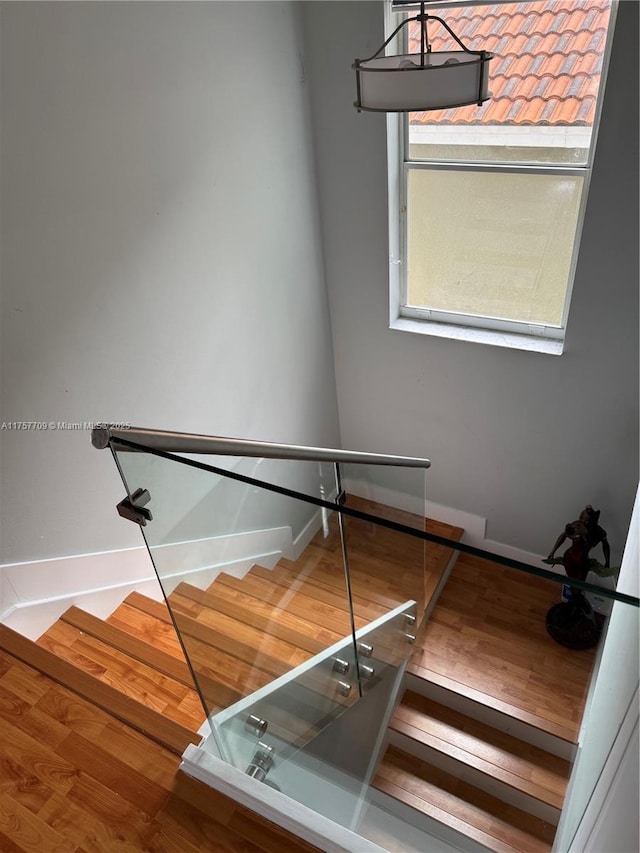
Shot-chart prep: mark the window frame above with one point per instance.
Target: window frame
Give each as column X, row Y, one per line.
column 451, row 324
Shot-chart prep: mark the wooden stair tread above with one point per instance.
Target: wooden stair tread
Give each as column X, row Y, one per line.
column 536, row 721
column 244, row 642
column 247, row 643
column 165, row 663
column 368, row 589
column 503, row 757
column 463, row 807
column 222, row 678
column 334, row 616
column 313, row 586
column 156, row 632
column 167, row 732
column 226, row 669
column 133, row 678
column 251, row 610
column 157, row 609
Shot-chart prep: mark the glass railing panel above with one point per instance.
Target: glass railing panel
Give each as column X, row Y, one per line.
column 387, row 568
column 255, row 582
column 493, row 634
column 234, row 561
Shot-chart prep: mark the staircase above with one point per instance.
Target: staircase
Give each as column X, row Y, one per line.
column 471, row 776
column 449, row 758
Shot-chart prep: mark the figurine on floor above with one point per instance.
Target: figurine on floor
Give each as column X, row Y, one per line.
column 573, row 623
column 585, row 533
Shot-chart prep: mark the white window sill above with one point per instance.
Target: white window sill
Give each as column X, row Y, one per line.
column 478, row 336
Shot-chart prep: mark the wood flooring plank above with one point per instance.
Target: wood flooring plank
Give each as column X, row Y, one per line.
column 43, row 727
column 109, row 808
column 173, row 735
column 27, row 830
column 20, row 750
column 23, row 682
column 109, row 770
column 198, row 828
column 23, row 786
column 148, row 654
column 114, row 789
column 62, row 650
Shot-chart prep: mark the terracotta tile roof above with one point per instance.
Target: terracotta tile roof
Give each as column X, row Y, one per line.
column 546, row 68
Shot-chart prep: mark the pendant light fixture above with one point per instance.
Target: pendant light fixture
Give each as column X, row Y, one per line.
column 429, row 80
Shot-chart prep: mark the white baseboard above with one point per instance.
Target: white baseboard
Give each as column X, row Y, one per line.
column 316, row 523
column 474, row 526
column 35, row 594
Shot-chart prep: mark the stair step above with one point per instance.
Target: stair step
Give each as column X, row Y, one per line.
column 499, row 756
column 313, row 586
column 137, row 680
column 459, row 805
column 157, row 609
column 245, row 608
column 170, row 734
column 155, row 632
column 334, row 615
column 365, row 588
column 216, row 695
column 144, row 652
column 426, row 677
column 244, row 642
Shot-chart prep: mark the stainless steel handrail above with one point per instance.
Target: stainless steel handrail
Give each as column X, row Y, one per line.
column 182, row 442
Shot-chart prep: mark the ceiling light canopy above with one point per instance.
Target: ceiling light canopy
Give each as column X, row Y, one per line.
column 429, row 80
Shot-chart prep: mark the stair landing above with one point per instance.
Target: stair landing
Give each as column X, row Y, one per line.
column 486, row 640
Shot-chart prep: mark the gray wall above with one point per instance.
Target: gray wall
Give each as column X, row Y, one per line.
column 523, row 439
column 161, row 257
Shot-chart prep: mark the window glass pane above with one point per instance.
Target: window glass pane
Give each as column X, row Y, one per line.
column 493, row 245
column 544, row 81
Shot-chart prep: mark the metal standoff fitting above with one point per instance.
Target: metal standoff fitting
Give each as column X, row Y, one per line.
column 261, row 763
column 410, row 638
column 344, row 688
column 366, row 671
column 254, row 725
column 340, row 665
column 409, row 619
column 365, row 650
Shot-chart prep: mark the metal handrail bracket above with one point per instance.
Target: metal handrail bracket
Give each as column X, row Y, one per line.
column 181, row 442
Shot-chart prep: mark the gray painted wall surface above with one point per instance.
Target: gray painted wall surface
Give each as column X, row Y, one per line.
column 523, row 439
column 161, row 257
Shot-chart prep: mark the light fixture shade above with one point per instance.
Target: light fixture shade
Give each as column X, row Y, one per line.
column 402, row 84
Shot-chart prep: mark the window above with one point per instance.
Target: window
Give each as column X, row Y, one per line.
column 486, row 203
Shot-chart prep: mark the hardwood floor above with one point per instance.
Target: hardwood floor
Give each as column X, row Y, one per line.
column 75, row 779
column 487, row 638
column 95, row 768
